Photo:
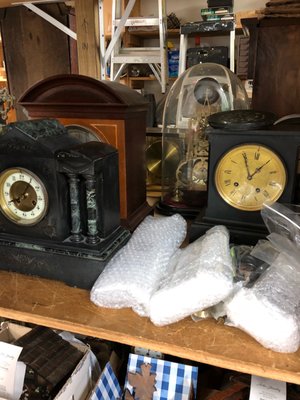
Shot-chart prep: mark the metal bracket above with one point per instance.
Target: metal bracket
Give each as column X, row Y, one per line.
column 50, row 19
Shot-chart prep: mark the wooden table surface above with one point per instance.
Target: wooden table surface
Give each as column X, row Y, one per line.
column 53, row 304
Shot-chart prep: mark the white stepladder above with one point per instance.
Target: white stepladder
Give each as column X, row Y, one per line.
column 119, row 56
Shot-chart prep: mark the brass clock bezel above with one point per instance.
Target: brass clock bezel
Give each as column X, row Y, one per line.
column 8, row 212
column 258, row 179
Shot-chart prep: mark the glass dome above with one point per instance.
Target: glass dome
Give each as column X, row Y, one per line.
column 200, row 91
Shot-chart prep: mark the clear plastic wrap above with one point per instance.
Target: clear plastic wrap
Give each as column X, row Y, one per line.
column 265, row 251
column 136, row 271
column 202, row 276
column 283, row 223
column 269, row 311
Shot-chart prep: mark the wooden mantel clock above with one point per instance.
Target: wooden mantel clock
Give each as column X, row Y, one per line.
column 106, row 111
column 252, row 162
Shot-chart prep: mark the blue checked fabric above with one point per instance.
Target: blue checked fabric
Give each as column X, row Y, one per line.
column 108, row 387
column 173, row 381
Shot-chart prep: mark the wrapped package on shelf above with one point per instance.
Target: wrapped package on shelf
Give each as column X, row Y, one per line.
column 202, row 276
column 269, row 311
column 135, row 272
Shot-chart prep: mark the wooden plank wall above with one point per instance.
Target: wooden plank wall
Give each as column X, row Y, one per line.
column 33, row 48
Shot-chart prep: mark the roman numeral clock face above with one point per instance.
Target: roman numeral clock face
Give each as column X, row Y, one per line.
column 23, row 197
column 250, row 175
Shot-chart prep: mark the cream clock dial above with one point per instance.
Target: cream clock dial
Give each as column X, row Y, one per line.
column 23, row 197
column 250, row 175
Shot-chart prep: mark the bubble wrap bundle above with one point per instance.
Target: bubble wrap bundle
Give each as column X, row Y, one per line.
column 268, row 310
column 135, row 272
column 202, row 277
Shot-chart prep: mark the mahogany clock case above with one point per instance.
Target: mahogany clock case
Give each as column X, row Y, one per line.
column 111, row 112
column 80, row 230
column 247, row 226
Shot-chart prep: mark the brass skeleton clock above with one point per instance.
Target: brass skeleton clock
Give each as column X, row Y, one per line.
column 252, row 161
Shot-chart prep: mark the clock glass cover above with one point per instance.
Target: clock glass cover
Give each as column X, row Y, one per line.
column 23, row 197
column 250, row 175
column 200, row 91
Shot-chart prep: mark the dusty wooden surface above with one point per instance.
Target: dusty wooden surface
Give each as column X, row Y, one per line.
column 56, row 305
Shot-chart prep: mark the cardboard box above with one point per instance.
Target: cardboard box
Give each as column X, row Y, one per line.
column 107, row 386
column 83, row 378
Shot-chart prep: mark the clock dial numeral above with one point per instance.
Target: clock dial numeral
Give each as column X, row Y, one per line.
column 266, row 193
column 257, row 174
column 257, row 155
column 273, row 184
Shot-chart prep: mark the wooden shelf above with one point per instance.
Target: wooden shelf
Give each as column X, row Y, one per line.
column 55, row 305
column 146, row 78
column 171, row 33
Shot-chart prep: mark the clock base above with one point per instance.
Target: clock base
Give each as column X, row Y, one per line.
column 247, row 234
column 168, row 210
column 189, row 207
column 72, row 264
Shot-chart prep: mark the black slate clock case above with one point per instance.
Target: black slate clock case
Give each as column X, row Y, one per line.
column 81, row 229
column 23, row 145
column 246, row 226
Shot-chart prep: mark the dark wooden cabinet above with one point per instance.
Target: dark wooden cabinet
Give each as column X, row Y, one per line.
column 275, row 54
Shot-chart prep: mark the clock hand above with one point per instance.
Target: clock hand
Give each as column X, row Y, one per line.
column 18, row 199
column 259, row 169
column 21, row 196
column 247, row 166
column 25, row 190
column 14, row 200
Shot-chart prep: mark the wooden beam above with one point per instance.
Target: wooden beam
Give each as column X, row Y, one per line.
column 88, row 38
column 13, row 3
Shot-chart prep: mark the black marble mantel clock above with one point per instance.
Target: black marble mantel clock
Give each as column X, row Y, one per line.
column 59, row 203
column 252, row 161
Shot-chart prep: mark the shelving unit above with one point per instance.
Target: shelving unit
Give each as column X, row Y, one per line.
column 135, row 38
column 119, row 55
column 53, row 304
column 206, row 29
